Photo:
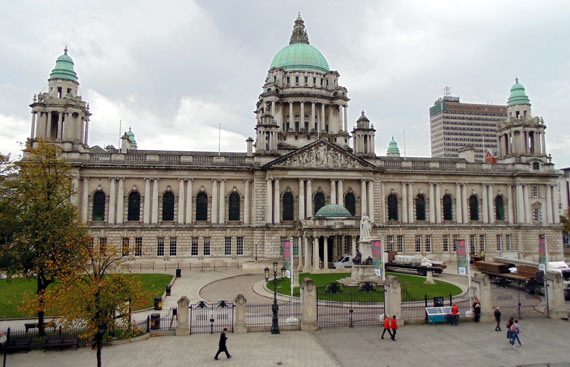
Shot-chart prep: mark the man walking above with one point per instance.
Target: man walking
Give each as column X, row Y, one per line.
column 222, row 345
column 387, row 326
column 394, row 326
column 498, row 318
column 515, row 330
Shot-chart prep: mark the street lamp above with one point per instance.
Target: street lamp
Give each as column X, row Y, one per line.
column 275, row 307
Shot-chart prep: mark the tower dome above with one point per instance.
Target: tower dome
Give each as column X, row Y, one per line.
column 518, row 94
column 333, row 211
column 299, row 54
column 393, row 148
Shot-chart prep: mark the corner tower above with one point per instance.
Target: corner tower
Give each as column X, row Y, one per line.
column 60, row 115
column 521, row 136
column 302, row 97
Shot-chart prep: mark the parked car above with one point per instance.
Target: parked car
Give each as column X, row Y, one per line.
column 344, row 262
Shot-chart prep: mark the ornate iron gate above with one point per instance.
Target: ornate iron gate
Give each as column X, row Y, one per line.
column 515, row 301
column 340, row 305
column 211, row 318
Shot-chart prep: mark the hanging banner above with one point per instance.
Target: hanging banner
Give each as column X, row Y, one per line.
column 377, row 258
column 287, row 258
column 462, row 260
column 542, row 253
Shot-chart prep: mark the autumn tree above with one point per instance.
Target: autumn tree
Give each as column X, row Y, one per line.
column 45, row 235
column 99, row 297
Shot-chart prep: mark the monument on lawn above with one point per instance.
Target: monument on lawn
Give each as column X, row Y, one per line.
column 363, row 270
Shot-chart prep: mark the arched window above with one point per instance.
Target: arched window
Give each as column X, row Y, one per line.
column 392, row 207
column 134, row 208
column 499, row 208
column 420, row 207
column 201, row 207
column 319, row 201
column 350, row 203
column 233, row 208
column 98, row 206
column 473, row 208
column 447, row 207
column 168, row 206
column 288, row 206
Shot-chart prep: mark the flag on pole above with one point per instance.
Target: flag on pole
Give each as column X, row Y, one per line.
column 287, row 258
column 462, row 260
column 542, row 253
column 377, row 258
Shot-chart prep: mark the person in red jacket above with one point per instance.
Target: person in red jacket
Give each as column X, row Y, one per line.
column 454, row 314
column 394, row 326
column 386, row 326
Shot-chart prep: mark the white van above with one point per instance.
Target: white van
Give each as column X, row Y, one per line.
column 344, row 262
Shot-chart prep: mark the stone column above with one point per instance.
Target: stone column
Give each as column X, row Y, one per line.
column 527, row 214
column 333, row 191
column 86, row 132
column 353, row 247
column 404, row 203
column 464, row 204
column 33, row 132
column 301, row 199
column 180, row 201
column 326, row 253
column 309, row 199
column 182, row 313
column 542, row 145
column 214, row 210
column 312, row 121
column 302, row 116
column 146, row 207
column 120, row 201
column 85, row 201
column 555, row 289
column 300, row 252
column 363, row 201
column 189, row 196
column 340, row 198
column 484, row 203
column 482, row 290
column 240, row 326
column 268, row 202
column 458, row 201
column 323, row 117
column 437, row 203
column 309, row 304
column 112, row 208
column 393, row 299
column 155, row 201
column 548, row 217
column 371, row 200
column 60, row 125
column 276, row 202
column 491, row 202
column 510, row 204
column 316, row 260
column 291, row 115
column 346, row 118
column 246, row 200
column 222, row 208
column 307, row 265
column 411, row 196
column 431, row 203
column 556, row 217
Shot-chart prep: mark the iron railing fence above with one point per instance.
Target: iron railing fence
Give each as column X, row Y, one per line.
column 211, row 318
column 261, row 315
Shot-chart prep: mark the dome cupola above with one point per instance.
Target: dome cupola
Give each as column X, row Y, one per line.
column 64, row 68
column 333, row 211
column 393, row 150
column 518, row 94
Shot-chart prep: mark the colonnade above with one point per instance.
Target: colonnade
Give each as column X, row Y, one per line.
column 309, row 250
column 66, row 125
column 321, row 118
column 522, row 141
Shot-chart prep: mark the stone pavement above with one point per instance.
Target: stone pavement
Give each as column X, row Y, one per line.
column 470, row 344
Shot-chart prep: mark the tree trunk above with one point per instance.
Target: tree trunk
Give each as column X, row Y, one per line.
column 99, row 347
column 41, row 313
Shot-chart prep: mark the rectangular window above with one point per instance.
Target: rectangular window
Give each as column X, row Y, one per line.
column 206, row 246
column 499, row 243
column 288, row 80
column 297, row 80
column 534, row 191
column 418, row 243
column 240, row 245
column 428, row 243
column 400, row 240
column 92, row 243
column 472, row 244
column 446, row 243
column 455, row 239
column 125, row 250
column 295, row 246
column 314, row 80
column 306, row 79
column 160, row 246
column 536, row 215
column 346, row 245
column 173, row 246
column 138, row 246
column 389, row 243
column 481, row 244
column 194, row 250
column 508, row 242
column 102, row 245
column 228, row 246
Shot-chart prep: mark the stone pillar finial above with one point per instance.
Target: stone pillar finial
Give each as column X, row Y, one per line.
column 240, row 326
column 182, row 313
column 309, row 306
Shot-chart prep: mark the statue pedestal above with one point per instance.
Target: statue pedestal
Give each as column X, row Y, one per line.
column 365, row 248
column 360, row 274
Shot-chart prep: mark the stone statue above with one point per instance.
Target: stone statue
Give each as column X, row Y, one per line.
column 365, row 228
column 368, row 261
column 357, row 258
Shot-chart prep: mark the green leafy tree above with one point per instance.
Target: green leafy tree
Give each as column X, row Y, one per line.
column 42, row 228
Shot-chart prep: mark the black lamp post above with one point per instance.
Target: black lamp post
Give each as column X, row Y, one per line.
column 275, row 307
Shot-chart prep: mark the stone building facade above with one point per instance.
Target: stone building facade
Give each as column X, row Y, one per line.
column 239, row 207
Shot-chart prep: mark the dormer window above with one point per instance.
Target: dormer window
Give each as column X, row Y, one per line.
column 59, row 92
column 297, row 80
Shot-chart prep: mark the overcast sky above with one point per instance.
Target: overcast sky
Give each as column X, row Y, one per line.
column 174, row 70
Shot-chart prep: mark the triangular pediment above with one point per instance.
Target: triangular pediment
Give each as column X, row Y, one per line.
column 321, row 155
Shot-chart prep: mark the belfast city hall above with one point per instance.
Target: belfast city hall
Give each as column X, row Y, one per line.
column 309, row 175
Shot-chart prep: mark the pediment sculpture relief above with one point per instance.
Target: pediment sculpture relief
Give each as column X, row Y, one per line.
column 322, row 156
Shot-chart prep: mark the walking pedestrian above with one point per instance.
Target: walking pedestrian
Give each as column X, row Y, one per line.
column 515, row 330
column 477, row 309
column 387, row 327
column 508, row 326
column 222, row 345
column 394, row 326
column 454, row 314
column 498, row 318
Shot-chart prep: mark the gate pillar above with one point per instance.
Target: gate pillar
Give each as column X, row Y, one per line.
column 240, row 326
column 555, row 289
column 393, row 298
column 309, row 302
column 482, row 290
column 183, row 327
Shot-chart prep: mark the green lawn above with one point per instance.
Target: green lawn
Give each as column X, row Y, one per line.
column 413, row 287
column 12, row 291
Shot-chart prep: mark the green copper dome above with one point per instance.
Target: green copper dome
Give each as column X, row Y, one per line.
column 393, row 148
column 333, row 211
column 64, row 68
column 131, row 136
column 299, row 54
column 518, row 94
